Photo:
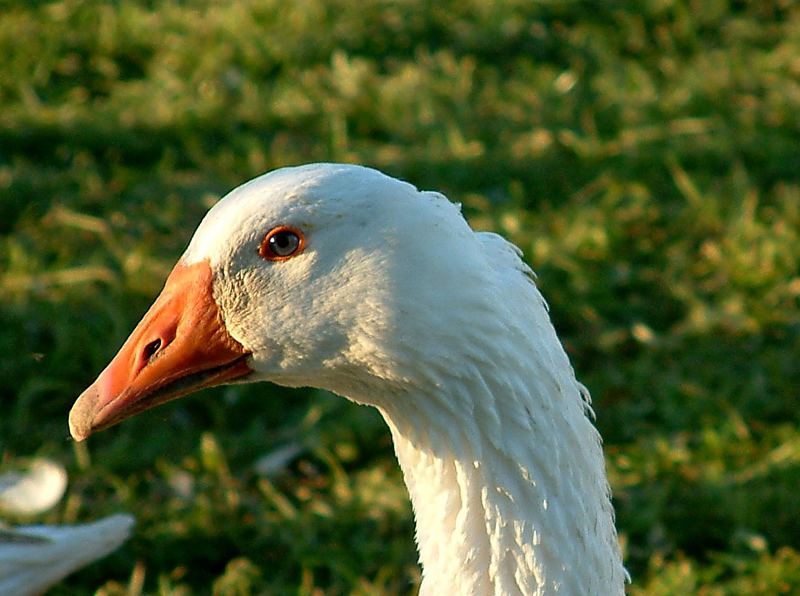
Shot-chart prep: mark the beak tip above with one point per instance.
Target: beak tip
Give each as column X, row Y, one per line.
column 78, row 435
column 82, row 414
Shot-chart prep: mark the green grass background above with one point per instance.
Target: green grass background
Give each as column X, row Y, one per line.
column 645, row 155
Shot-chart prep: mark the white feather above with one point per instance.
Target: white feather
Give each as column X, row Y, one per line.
column 34, row 490
column 397, row 303
column 33, row 558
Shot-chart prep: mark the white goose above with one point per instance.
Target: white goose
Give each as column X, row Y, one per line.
column 34, row 558
column 340, row 277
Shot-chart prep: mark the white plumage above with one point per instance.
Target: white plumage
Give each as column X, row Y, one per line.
column 34, row 490
column 34, row 558
column 395, row 302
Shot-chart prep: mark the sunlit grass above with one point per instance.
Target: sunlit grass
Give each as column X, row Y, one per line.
column 644, row 158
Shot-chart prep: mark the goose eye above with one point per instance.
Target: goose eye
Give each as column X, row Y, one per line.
column 281, row 243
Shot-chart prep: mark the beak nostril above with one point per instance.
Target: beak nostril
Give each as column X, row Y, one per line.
column 151, row 349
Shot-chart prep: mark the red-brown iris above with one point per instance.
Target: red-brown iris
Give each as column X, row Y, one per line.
column 281, row 243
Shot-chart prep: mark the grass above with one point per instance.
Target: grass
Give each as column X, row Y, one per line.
column 644, row 157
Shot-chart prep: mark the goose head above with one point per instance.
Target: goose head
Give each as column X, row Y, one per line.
column 326, row 275
column 339, row 277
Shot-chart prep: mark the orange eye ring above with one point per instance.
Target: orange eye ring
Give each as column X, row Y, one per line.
column 282, row 243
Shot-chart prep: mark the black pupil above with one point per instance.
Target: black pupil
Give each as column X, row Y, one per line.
column 283, row 243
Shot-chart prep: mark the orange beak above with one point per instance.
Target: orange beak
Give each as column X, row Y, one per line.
column 181, row 345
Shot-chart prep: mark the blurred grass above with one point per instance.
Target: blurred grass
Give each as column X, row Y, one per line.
column 646, row 157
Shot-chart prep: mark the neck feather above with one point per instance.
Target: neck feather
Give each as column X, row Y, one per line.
column 506, row 476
